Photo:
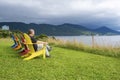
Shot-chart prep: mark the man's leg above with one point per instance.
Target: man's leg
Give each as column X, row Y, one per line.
column 47, row 53
column 40, row 46
column 48, row 47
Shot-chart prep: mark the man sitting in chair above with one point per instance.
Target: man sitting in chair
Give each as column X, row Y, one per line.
column 40, row 44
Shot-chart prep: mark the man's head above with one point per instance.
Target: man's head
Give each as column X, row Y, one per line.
column 31, row 32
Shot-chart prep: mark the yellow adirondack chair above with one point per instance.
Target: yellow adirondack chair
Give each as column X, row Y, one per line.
column 32, row 54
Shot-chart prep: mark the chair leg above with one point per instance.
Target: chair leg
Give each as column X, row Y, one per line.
column 44, row 56
column 35, row 54
column 18, row 47
column 25, row 55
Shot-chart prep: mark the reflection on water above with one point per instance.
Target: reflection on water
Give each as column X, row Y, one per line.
column 100, row 40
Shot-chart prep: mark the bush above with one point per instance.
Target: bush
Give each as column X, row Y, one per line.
column 5, row 33
column 42, row 37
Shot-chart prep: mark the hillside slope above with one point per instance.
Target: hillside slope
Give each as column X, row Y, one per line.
column 64, row 64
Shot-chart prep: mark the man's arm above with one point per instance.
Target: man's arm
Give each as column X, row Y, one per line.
column 41, row 42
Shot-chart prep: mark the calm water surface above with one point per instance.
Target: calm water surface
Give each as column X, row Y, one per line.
column 100, row 40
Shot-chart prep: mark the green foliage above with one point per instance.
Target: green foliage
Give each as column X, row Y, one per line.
column 5, row 33
column 42, row 37
column 16, row 32
column 64, row 64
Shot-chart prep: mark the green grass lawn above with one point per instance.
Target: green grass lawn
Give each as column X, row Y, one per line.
column 64, row 64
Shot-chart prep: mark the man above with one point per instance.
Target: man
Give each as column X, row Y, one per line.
column 39, row 44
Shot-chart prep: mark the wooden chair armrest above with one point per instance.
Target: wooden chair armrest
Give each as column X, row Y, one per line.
column 34, row 43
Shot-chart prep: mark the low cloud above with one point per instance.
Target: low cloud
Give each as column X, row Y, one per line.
column 91, row 13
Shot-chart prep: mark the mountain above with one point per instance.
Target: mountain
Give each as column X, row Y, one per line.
column 58, row 30
column 106, row 31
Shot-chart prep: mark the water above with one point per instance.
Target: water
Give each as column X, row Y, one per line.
column 100, row 40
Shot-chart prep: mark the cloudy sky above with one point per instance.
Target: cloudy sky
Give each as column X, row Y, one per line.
column 90, row 13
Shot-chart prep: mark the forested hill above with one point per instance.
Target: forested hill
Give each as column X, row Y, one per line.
column 60, row 30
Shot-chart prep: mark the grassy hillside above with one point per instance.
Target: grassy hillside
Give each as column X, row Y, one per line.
column 64, row 64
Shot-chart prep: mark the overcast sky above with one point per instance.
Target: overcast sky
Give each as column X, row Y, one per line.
column 90, row 13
